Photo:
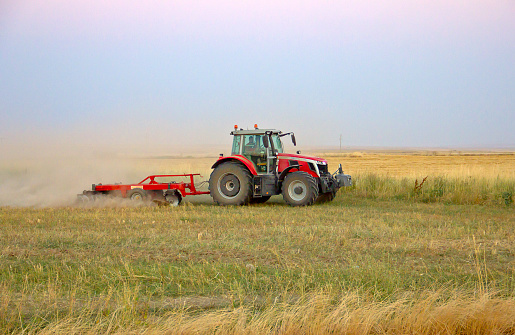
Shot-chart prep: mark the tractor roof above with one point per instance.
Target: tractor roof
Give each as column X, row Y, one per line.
column 254, row 131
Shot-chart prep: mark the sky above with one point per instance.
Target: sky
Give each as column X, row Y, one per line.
column 172, row 75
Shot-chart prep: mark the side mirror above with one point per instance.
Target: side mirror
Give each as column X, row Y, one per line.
column 265, row 141
column 293, row 139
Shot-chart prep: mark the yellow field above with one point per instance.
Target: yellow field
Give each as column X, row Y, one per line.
column 417, row 164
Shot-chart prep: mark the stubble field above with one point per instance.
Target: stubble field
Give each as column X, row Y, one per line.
column 392, row 254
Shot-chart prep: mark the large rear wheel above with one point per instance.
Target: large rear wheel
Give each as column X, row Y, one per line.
column 299, row 189
column 231, row 184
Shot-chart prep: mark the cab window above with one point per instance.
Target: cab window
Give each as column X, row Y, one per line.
column 236, row 145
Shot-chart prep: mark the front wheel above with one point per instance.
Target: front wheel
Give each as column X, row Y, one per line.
column 231, row 184
column 299, row 189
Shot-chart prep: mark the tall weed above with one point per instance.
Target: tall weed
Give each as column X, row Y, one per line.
column 466, row 190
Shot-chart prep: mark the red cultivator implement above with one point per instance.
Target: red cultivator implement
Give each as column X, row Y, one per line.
column 162, row 189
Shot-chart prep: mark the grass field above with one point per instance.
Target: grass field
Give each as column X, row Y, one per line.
column 386, row 256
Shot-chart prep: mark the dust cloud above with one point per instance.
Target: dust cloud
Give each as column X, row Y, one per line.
column 44, row 182
column 44, row 171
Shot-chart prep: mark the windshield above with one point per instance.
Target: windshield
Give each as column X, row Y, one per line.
column 278, row 146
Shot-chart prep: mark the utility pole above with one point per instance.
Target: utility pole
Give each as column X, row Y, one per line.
column 340, row 142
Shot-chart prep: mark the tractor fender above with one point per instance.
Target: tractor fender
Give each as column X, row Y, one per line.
column 287, row 170
column 298, row 167
column 237, row 158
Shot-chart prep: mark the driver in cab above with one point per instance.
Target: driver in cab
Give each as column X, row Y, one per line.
column 256, row 152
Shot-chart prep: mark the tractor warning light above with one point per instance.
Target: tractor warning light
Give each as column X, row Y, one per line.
column 255, row 126
column 235, row 127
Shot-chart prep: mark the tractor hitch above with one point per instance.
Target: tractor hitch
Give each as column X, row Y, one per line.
column 341, row 178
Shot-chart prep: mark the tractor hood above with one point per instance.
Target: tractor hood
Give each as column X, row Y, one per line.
column 297, row 157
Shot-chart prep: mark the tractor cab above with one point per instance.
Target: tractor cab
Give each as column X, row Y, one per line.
column 260, row 146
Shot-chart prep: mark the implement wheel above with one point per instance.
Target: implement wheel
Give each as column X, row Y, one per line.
column 173, row 198
column 231, row 184
column 299, row 189
column 137, row 194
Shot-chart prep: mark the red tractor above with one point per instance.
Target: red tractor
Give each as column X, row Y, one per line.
column 258, row 169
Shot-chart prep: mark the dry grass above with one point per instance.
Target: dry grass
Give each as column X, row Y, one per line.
column 320, row 313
